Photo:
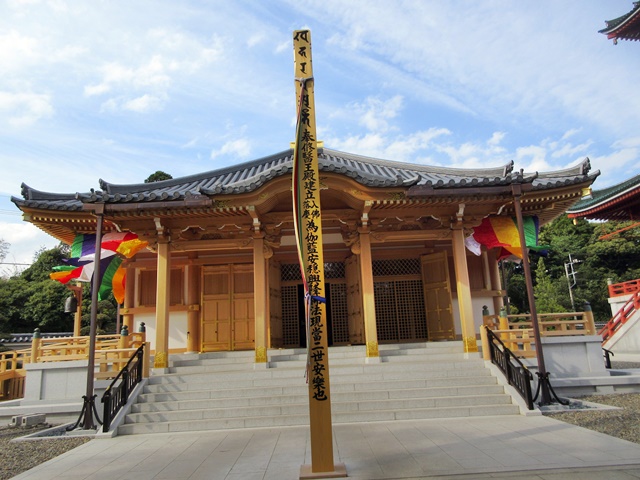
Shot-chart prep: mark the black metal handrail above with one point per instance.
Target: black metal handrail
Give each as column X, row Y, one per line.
column 116, row 396
column 518, row 375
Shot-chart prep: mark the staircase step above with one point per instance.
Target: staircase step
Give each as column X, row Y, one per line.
column 296, row 368
column 205, row 400
column 303, row 419
column 225, row 390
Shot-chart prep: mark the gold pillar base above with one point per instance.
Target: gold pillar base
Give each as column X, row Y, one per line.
column 372, row 349
column 340, row 471
column 261, row 354
column 470, row 344
column 160, row 360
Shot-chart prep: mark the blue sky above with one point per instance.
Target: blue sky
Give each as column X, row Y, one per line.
column 119, row 89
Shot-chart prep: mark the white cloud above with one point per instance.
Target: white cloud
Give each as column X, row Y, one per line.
column 375, row 113
column 496, row 138
column 532, row 158
column 255, row 39
column 239, row 148
column 145, row 103
column 569, row 150
column 25, row 239
column 400, row 147
column 616, row 166
column 17, row 50
column 24, row 109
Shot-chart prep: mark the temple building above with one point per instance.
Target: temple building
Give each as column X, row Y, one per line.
column 625, row 27
column 619, row 202
column 221, row 271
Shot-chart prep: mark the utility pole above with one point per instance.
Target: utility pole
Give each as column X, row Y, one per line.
column 570, row 272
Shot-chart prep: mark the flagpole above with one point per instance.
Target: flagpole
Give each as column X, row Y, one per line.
column 543, row 375
column 89, row 406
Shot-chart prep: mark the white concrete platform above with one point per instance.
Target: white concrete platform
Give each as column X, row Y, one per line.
column 508, row 446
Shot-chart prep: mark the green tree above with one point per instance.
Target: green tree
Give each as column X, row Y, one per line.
column 43, row 263
column 32, row 300
column 157, row 177
column 547, row 292
column 514, row 283
column 105, row 317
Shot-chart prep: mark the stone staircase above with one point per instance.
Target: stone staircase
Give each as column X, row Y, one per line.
column 222, row 390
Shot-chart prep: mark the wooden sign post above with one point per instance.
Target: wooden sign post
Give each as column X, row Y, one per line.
column 308, row 231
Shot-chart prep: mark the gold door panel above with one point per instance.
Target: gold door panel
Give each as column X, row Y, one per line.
column 228, row 321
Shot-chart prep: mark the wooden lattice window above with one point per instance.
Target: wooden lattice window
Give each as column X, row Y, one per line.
column 384, row 294
column 396, row 267
column 291, row 271
column 410, row 310
column 400, row 312
column 148, row 287
column 399, row 300
column 339, row 313
column 290, row 323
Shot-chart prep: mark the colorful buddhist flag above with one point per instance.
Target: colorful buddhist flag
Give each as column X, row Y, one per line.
column 502, row 233
column 81, row 265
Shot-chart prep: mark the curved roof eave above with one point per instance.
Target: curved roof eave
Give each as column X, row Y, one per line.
column 621, row 21
column 249, row 176
column 605, row 195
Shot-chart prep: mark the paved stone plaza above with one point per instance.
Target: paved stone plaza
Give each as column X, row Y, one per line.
column 514, row 446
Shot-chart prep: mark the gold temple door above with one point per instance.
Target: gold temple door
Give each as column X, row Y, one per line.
column 437, row 296
column 228, row 320
column 354, row 300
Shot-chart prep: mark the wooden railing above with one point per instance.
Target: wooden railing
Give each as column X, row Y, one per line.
column 621, row 317
column 111, row 354
column 12, row 375
column 624, row 288
column 516, row 331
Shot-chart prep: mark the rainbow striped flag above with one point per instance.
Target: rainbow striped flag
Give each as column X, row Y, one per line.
column 502, row 233
column 115, row 247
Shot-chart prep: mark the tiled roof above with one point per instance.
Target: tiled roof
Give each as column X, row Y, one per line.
column 600, row 197
column 247, row 177
column 626, row 27
column 28, row 337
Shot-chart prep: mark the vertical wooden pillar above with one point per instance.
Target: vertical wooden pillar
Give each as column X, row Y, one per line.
column 77, row 316
column 129, row 298
column 486, row 271
column 368, row 302
column 498, row 300
column 464, row 291
column 260, row 298
column 36, row 341
column 163, row 295
column 193, row 312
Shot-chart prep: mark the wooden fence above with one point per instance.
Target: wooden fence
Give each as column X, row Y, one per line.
column 112, row 352
column 516, row 331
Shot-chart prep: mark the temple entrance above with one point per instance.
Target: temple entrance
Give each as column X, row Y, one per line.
column 337, row 319
column 437, row 295
column 228, row 321
column 293, row 314
column 399, row 301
